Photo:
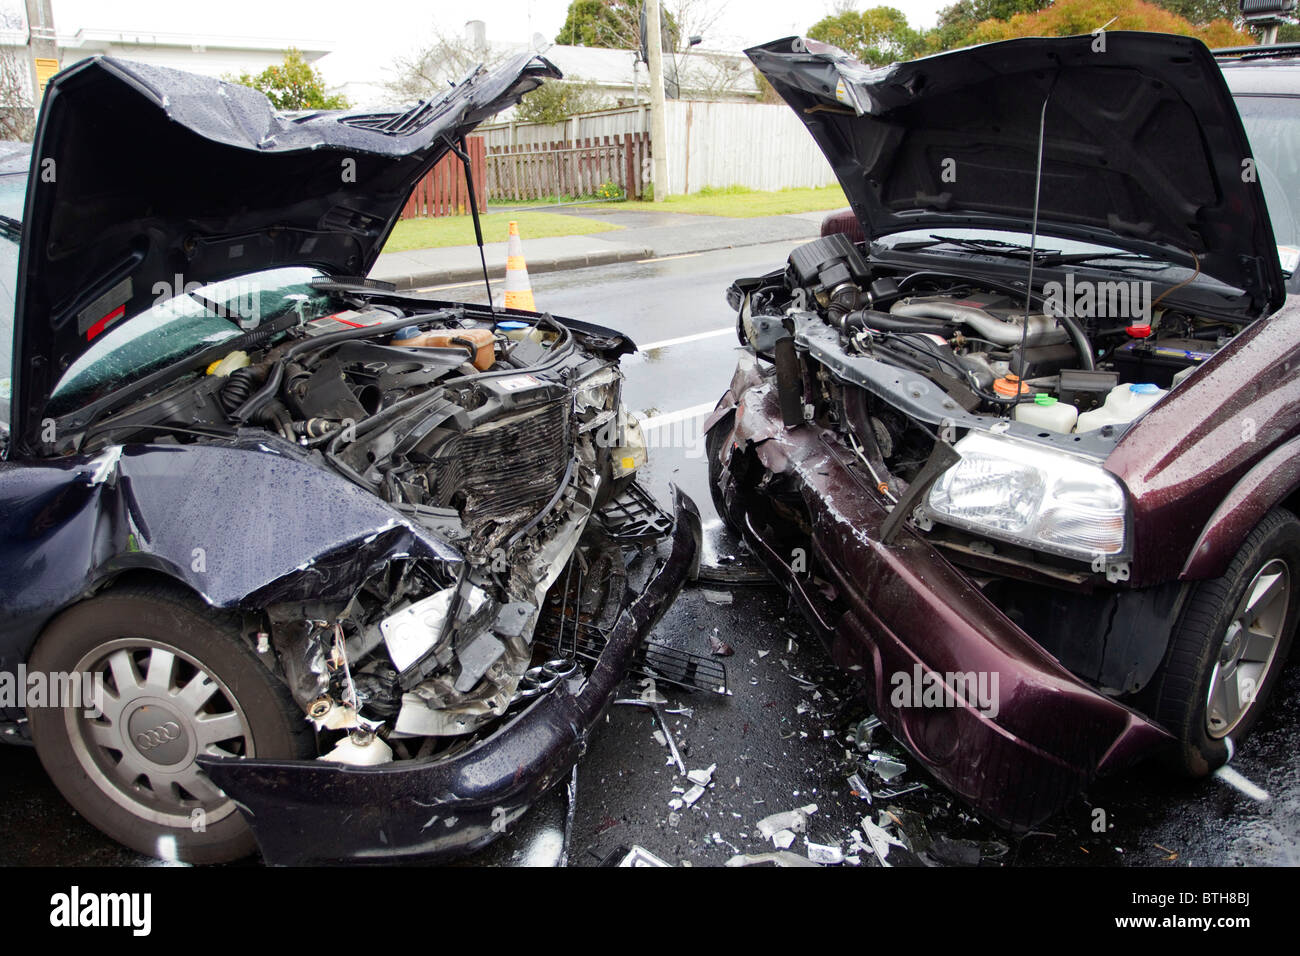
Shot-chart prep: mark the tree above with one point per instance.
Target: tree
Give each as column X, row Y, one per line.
column 876, row 36
column 958, row 21
column 428, row 72
column 1070, row 17
column 613, row 24
column 556, row 101
column 293, row 84
column 17, row 110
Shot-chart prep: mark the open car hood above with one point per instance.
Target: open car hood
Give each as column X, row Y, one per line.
column 143, row 175
column 1143, row 147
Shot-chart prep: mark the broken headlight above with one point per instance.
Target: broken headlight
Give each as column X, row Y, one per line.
column 1032, row 496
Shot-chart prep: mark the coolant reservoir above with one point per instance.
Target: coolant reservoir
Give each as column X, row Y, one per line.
column 482, row 340
column 1122, row 405
column 1046, row 412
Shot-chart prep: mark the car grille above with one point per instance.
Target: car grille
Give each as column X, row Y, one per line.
column 503, row 472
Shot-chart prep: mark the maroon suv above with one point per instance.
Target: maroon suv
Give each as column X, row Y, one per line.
column 1027, row 453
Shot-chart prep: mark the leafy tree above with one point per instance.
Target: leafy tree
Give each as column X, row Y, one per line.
column 958, row 21
column 614, row 24
column 876, row 36
column 293, row 84
column 556, row 101
column 1069, row 17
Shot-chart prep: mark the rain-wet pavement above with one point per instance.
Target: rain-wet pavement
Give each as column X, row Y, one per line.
column 784, row 737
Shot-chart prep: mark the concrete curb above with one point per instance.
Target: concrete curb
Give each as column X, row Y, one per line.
column 417, row 280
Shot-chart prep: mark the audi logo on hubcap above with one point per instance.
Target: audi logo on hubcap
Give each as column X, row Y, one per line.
column 148, row 739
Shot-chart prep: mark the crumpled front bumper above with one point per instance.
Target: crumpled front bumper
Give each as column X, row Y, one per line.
column 311, row 811
column 911, row 614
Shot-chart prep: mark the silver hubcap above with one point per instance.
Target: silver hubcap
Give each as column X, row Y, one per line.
column 1248, row 648
column 160, row 710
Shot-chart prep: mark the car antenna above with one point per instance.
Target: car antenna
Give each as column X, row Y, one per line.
column 1033, row 235
column 461, row 152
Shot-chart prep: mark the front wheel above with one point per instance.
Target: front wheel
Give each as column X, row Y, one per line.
column 1230, row 645
column 177, row 681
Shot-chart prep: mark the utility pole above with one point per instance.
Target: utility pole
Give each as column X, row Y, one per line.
column 42, row 46
column 658, row 119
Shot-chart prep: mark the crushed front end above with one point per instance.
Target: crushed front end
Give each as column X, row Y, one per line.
column 1010, row 669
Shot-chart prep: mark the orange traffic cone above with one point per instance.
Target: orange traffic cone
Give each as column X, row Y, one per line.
column 519, row 293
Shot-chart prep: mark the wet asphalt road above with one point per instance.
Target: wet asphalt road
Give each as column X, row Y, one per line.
column 780, row 740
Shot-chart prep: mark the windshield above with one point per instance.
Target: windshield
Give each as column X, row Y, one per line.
column 182, row 325
column 1273, row 127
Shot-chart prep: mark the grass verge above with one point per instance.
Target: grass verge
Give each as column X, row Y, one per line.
column 459, row 230
column 738, row 202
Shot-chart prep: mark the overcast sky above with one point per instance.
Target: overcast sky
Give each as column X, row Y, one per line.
column 380, row 26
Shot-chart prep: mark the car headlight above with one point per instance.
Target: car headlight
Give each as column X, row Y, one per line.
column 1032, row 496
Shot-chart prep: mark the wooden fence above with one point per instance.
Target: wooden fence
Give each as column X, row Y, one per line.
column 444, row 191
column 569, row 167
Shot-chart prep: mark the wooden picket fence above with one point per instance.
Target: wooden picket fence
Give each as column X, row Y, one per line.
column 444, row 190
column 568, row 167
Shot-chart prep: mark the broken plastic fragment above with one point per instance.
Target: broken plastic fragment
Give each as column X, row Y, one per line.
column 782, row 839
column 780, row 858
column 825, row 854
column 702, row 777
column 693, row 794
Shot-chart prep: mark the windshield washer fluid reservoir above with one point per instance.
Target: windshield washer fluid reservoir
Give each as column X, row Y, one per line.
column 1122, row 405
column 1046, row 412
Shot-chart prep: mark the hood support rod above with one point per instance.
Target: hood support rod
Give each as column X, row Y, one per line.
column 463, row 155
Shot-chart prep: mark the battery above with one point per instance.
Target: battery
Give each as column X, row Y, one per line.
column 1158, row 360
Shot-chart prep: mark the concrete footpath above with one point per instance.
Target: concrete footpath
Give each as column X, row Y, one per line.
column 643, row 235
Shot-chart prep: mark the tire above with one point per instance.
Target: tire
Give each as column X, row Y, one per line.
column 1215, row 647
column 713, row 441
column 190, row 682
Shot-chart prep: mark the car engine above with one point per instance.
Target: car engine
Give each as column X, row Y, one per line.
column 503, row 435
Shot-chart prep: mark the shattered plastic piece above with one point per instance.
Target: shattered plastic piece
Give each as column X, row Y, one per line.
column 719, row 647
column 693, row 794
column 859, row 787
column 889, row 793
column 716, row 597
column 794, row 820
column 825, row 854
column 674, row 818
column 640, row 856
column 702, row 777
column 885, row 766
column 782, row 839
column 660, row 739
column 762, row 654
column 780, row 858
column 881, row 840
column 675, row 803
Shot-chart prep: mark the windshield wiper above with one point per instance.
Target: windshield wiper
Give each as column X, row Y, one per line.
column 1012, row 250
column 994, row 247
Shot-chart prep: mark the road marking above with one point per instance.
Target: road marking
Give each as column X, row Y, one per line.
column 668, row 418
column 1233, row 779
column 684, row 255
column 682, row 339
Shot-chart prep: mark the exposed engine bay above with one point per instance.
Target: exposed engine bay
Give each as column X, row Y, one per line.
column 990, row 355
column 504, row 435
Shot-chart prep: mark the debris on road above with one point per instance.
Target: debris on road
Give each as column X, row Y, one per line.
column 716, row 597
column 718, row 646
column 779, row 858
column 825, row 854
column 702, row 777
